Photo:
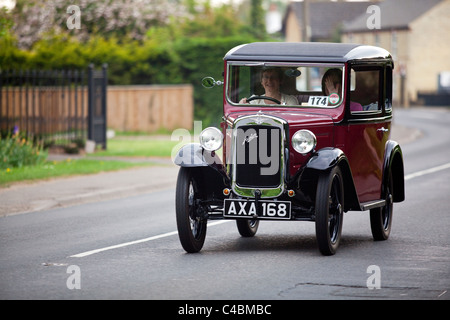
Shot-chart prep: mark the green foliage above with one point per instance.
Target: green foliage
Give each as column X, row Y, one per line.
column 11, row 56
column 17, row 151
column 257, row 18
column 6, row 22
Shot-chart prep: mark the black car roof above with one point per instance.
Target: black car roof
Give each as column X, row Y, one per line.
column 305, row 52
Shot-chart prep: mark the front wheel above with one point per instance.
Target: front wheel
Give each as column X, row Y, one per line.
column 191, row 226
column 246, row 227
column 329, row 210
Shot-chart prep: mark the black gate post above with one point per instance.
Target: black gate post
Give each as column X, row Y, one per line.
column 97, row 86
column 90, row 102
column 104, row 88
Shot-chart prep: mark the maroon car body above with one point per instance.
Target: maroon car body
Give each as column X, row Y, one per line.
column 310, row 158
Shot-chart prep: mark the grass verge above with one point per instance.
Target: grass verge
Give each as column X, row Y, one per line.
column 138, row 148
column 51, row 169
column 121, row 146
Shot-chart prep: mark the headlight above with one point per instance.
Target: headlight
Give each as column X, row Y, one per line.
column 211, row 139
column 304, row 141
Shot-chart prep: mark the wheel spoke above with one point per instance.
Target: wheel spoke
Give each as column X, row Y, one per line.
column 335, row 210
column 386, row 211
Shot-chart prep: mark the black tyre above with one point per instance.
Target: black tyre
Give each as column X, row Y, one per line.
column 246, row 227
column 381, row 218
column 329, row 210
column 191, row 227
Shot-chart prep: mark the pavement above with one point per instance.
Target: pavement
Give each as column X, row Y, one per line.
column 25, row 197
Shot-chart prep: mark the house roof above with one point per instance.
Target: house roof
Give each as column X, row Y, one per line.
column 305, row 52
column 394, row 14
column 326, row 17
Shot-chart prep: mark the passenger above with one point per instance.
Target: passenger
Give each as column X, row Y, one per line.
column 271, row 80
column 332, row 83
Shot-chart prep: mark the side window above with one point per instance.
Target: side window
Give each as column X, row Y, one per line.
column 365, row 90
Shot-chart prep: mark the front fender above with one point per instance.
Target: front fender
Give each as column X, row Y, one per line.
column 193, row 155
column 326, row 159
column 393, row 163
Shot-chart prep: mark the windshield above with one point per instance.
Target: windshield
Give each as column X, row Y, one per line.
column 293, row 85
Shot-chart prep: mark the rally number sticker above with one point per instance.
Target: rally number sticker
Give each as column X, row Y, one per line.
column 318, row 101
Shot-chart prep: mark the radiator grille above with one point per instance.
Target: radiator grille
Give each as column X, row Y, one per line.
column 258, row 156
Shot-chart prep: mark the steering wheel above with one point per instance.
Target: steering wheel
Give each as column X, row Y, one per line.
column 263, row 97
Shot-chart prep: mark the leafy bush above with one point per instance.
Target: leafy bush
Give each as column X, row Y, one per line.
column 17, row 151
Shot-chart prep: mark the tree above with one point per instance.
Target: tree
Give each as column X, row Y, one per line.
column 6, row 22
column 257, row 18
column 34, row 19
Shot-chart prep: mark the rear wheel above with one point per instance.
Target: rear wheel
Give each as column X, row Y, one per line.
column 381, row 218
column 191, row 226
column 246, row 227
column 329, row 210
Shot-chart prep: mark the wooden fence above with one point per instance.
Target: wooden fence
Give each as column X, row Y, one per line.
column 148, row 108
column 50, row 104
column 55, row 109
column 57, row 106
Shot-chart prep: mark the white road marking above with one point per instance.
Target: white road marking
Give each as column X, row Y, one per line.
column 168, row 234
column 125, row 244
column 427, row 171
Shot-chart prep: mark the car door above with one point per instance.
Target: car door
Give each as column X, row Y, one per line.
column 368, row 130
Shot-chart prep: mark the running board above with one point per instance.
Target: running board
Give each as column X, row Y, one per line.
column 372, row 204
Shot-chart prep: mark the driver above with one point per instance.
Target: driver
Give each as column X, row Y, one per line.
column 271, row 79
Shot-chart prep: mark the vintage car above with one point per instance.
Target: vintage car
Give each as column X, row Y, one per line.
column 305, row 136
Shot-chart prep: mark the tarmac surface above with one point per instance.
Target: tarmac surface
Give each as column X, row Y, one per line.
column 24, row 197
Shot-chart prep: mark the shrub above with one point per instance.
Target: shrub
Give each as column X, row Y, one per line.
column 16, row 151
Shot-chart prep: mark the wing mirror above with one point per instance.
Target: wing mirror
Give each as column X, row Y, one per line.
column 209, row 82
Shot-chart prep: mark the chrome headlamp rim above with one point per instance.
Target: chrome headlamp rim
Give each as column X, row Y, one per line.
column 211, row 139
column 304, row 141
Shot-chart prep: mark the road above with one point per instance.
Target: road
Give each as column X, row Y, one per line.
column 128, row 248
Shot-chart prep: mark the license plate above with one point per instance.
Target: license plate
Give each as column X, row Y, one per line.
column 264, row 209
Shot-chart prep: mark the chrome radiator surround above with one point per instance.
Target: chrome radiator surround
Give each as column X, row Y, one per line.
column 259, row 120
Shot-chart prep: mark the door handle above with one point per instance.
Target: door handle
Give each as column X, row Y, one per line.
column 383, row 129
